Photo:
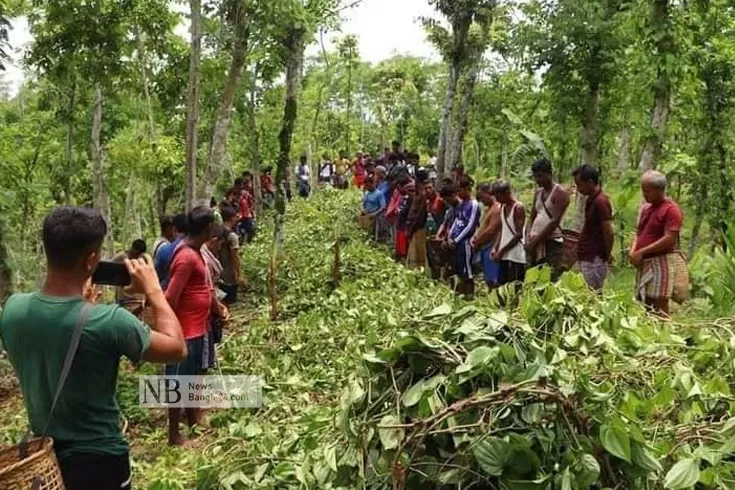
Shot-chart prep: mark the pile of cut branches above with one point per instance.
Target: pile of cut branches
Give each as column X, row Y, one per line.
column 569, row 391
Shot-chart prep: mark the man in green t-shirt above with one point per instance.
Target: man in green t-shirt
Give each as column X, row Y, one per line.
column 36, row 329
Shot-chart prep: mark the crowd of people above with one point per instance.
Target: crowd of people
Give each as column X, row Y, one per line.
column 459, row 234
column 172, row 312
column 178, row 300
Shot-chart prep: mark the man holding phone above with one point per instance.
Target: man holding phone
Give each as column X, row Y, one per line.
column 36, row 329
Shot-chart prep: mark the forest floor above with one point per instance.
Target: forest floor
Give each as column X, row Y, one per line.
column 306, row 357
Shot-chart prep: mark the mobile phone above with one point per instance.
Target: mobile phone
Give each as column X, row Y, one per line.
column 111, row 274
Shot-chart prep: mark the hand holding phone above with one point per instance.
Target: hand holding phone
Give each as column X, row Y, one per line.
column 143, row 275
column 111, row 274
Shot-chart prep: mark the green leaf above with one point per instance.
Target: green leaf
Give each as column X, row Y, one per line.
column 253, row 430
column 478, row 357
column 683, row 474
column 490, row 454
column 643, row 458
column 413, row 395
column 439, row 311
column 390, row 437
column 587, row 471
column 616, row 442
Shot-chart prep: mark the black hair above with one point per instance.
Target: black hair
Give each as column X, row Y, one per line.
column 396, row 143
column 219, row 231
column 369, row 181
column 166, row 222
column 587, row 173
column 228, row 212
column 303, row 159
column 70, row 234
column 402, row 179
column 247, row 173
column 447, row 190
column 447, row 181
column 138, row 246
column 465, row 182
column 501, row 187
column 422, row 176
column 485, row 187
column 542, row 165
column 200, row 218
column 181, row 222
column 239, row 181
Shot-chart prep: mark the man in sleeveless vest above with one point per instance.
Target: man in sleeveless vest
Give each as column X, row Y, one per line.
column 545, row 243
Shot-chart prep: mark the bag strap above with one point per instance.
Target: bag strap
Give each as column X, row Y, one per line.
column 68, row 361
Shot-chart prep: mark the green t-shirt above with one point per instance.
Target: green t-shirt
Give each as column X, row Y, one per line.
column 35, row 330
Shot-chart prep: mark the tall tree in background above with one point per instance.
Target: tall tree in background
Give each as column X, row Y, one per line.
column 457, row 53
column 238, row 17
column 663, row 41
column 192, row 104
column 347, row 49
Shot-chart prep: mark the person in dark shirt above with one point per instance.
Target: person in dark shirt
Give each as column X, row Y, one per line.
column 594, row 248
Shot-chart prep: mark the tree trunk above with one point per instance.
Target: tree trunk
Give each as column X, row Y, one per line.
column 444, row 131
column 100, row 195
column 349, row 104
column 454, row 149
column 255, row 143
column 504, row 171
column 294, row 42
column 224, row 115
column 6, row 285
column 662, row 88
column 589, row 125
column 68, row 170
column 624, row 151
column 192, row 109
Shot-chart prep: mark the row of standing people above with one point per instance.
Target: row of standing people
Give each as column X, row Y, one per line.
column 493, row 231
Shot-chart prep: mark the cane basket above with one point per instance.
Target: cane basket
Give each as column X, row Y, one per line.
column 366, row 222
column 569, row 254
column 41, row 463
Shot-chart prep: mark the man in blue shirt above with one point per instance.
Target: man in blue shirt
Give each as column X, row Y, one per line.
column 374, row 201
column 466, row 220
column 163, row 258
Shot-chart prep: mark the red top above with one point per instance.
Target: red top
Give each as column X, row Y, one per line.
column 188, row 291
column 437, row 206
column 246, row 210
column 655, row 221
column 591, row 244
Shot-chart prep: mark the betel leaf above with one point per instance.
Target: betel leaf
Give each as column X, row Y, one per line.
column 587, row 471
column 413, row 395
column 390, row 437
column 643, row 458
column 490, row 454
column 616, row 441
column 439, row 311
column 683, row 474
column 478, row 357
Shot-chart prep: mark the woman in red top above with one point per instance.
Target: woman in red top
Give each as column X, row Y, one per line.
column 189, row 293
column 358, row 167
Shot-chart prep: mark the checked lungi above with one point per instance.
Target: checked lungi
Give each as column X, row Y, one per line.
column 655, row 278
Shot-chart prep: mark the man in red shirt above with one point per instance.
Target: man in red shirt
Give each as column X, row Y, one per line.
column 594, row 248
column 189, row 293
column 655, row 242
column 246, row 227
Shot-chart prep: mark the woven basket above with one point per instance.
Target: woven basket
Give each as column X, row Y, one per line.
column 16, row 474
column 366, row 222
column 569, row 254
